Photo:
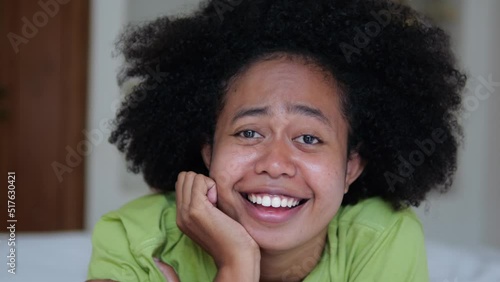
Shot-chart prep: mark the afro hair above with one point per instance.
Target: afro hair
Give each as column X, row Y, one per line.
column 401, row 90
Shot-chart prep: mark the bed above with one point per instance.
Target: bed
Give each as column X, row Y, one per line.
column 54, row 257
column 63, row 257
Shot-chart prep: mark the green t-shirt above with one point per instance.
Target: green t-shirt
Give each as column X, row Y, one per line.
column 366, row 242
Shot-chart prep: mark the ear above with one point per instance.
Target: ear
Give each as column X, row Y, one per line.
column 206, row 154
column 355, row 166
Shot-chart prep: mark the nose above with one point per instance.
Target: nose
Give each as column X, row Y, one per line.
column 276, row 160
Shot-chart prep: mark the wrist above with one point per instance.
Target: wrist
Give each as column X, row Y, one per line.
column 244, row 268
column 240, row 273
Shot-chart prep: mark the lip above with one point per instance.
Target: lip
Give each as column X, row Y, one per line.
column 270, row 214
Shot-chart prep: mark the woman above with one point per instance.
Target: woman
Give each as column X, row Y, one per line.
column 296, row 134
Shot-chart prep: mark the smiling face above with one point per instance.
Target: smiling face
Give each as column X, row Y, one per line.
column 279, row 155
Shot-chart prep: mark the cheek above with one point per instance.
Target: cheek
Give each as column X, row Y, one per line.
column 328, row 176
column 327, row 182
column 229, row 165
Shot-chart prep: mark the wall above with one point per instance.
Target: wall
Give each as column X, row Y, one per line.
column 103, row 165
column 492, row 218
column 468, row 214
column 151, row 9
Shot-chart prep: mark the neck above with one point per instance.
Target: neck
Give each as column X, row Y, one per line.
column 292, row 265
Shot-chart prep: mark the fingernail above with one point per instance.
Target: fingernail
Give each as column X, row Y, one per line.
column 156, row 259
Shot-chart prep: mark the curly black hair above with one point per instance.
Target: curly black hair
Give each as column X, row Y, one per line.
column 401, row 90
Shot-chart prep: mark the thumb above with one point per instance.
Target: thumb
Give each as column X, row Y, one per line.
column 212, row 194
column 167, row 271
column 212, row 190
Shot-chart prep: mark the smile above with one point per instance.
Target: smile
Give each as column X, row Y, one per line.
column 275, row 201
column 272, row 208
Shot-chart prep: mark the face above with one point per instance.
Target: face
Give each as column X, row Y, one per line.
column 279, row 155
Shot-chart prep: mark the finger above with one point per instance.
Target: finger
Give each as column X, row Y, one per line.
column 212, row 194
column 167, row 271
column 201, row 185
column 178, row 189
column 212, row 190
column 187, row 188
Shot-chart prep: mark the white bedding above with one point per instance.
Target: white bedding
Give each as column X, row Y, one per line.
column 448, row 264
column 64, row 256
column 54, row 257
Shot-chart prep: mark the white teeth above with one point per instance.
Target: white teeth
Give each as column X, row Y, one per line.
column 274, row 201
column 283, row 202
column 266, row 201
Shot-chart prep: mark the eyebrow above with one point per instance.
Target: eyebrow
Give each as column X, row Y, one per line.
column 291, row 108
column 250, row 112
column 308, row 111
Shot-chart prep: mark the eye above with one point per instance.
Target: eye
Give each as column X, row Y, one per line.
column 308, row 139
column 248, row 134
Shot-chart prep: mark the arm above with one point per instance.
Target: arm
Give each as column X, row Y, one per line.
column 398, row 254
column 224, row 274
column 112, row 258
column 234, row 251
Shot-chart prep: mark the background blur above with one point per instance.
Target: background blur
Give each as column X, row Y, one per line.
column 58, row 91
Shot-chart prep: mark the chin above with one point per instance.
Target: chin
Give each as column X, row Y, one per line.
column 276, row 239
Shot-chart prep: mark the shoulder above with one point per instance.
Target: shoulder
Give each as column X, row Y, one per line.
column 144, row 205
column 373, row 237
column 142, row 218
column 377, row 215
column 124, row 241
column 373, row 225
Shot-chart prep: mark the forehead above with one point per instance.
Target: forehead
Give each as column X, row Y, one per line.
column 283, row 82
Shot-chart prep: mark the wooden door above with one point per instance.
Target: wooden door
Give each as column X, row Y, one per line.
column 43, row 55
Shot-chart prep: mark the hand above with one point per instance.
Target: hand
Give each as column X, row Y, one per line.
column 226, row 240
column 167, row 271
